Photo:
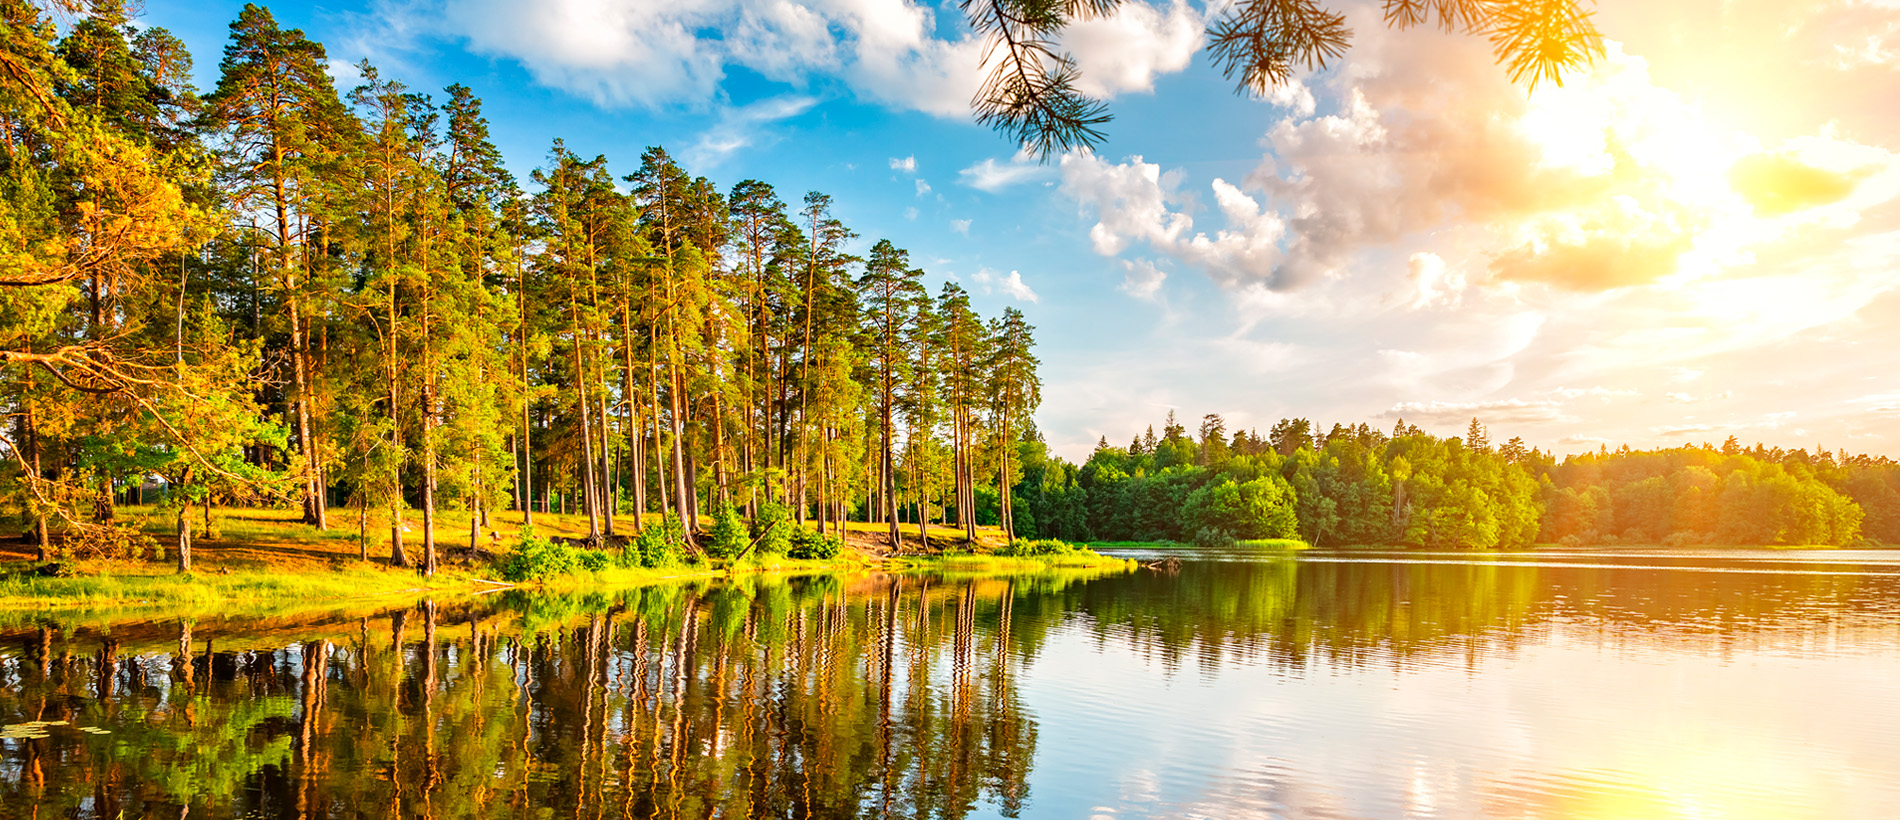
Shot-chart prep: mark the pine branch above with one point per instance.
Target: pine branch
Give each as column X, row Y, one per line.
column 1259, row 43
column 1030, row 91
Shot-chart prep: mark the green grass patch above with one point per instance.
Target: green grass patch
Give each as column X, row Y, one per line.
column 1275, row 544
column 970, row 561
column 139, row 585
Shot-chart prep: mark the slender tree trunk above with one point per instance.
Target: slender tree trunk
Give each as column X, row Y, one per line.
column 630, row 420
column 659, row 438
column 609, row 501
column 397, row 555
column 184, row 537
column 587, row 435
column 428, row 483
column 683, row 492
column 527, row 423
column 313, row 489
column 430, row 415
column 42, row 540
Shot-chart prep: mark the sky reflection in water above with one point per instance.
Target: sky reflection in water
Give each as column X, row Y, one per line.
column 1587, row 685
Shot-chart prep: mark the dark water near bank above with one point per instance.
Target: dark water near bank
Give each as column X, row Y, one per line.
column 1343, row 685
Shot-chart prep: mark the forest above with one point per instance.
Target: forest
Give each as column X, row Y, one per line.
column 279, row 292
column 1357, row 486
column 276, row 291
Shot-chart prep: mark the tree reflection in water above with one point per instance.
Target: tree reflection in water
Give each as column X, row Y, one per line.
column 817, row 697
column 866, row 696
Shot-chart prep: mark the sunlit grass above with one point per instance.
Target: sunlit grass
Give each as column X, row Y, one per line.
column 118, row 585
column 1000, row 563
column 1275, row 544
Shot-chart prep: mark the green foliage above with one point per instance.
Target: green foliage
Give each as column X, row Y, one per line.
column 1357, row 486
column 540, row 559
column 660, row 544
column 1037, row 548
column 1260, row 508
column 809, row 545
column 728, row 534
column 1215, row 538
column 772, row 529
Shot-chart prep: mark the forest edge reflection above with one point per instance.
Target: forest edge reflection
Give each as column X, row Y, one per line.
column 802, row 697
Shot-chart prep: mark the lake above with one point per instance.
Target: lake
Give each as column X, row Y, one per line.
column 1604, row 684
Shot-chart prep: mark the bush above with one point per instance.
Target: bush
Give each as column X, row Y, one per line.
column 807, row 545
column 728, row 533
column 658, row 545
column 773, row 529
column 535, row 559
column 1215, row 538
column 1030, row 548
column 120, row 540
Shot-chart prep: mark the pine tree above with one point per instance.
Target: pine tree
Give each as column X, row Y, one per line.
column 283, row 126
column 890, row 290
column 1015, row 392
column 965, row 353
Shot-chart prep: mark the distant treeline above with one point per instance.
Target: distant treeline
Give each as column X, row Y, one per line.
column 1361, row 486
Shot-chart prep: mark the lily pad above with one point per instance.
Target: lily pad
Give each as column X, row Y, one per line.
column 29, row 730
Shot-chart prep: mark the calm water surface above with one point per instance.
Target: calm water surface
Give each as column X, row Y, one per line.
column 1337, row 685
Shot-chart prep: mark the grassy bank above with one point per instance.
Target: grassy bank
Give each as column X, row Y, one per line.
column 1262, row 544
column 964, row 561
column 265, row 558
column 123, row 584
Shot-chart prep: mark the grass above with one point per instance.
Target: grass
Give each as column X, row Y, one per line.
column 123, row 583
column 1275, row 544
column 1265, row 544
column 261, row 558
column 966, row 561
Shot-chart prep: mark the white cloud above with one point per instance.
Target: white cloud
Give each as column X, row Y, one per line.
column 922, row 187
column 1143, row 280
column 910, row 214
column 961, row 226
column 1126, row 50
column 615, row 53
column 344, row 74
column 742, row 127
column 1130, row 200
column 992, row 176
column 1432, row 283
column 1500, row 411
column 907, row 165
column 891, row 52
column 1135, row 201
column 1011, row 284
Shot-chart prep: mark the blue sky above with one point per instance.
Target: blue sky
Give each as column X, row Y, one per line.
column 1698, row 238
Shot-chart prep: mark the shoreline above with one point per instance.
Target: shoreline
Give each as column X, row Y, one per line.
column 123, row 585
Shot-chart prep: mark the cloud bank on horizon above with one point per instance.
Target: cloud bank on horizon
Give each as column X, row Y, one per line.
column 1413, row 237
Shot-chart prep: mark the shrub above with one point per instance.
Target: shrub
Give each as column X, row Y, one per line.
column 117, row 540
column 773, row 529
column 807, row 545
column 728, row 533
column 1030, row 548
column 535, row 559
column 1214, row 538
column 658, row 545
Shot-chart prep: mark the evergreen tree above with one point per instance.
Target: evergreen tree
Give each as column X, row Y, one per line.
column 283, row 129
